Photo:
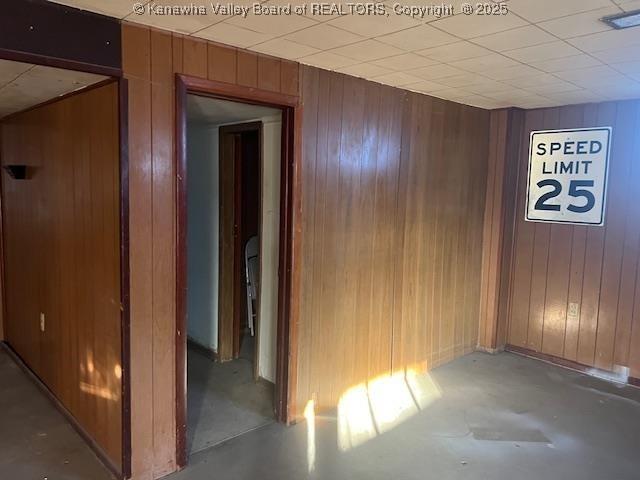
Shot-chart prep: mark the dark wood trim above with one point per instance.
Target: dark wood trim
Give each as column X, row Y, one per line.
column 55, row 31
column 563, row 362
column 24, row 57
column 237, row 93
column 181, row 272
column 289, row 187
column 100, row 453
column 123, row 115
column 285, row 265
column 93, row 86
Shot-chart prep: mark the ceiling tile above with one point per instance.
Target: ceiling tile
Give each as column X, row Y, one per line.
column 405, row 61
column 435, row 72
column 615, row 90
column 367, row 50
column 397, row 79
column 490, row 88
column 566, row 63
column 576, row 96
column 365, row 70
column 517, row 71
column 618, row 55
column 112, row 8
column 280, row 47
column 629, row 68
column 324, row 37
column 11, row 70
column 467, row 79
column 328, row 60
column 454, row 51
column 233, row 35
column 178, row 23
column 547, row 51
column 596, row 42
column 425, row 86
column 515, row 38
column 470, row 26
column 579, row 24
column 373, row 25
column 417, row 38
column 552, row 88
column 535, row 80
column 486, row 63
column 602, row 71
column 272, row 24
column 538, row 10
column 628, row 5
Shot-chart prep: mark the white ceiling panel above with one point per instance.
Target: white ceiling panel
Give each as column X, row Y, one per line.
column 541, row 52
column 23, row 85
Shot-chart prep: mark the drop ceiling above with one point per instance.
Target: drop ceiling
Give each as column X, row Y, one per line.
column 217, row 112
column 23, row 85
column 542, row 53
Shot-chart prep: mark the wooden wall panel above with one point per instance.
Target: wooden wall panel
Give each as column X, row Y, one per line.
column 595, row 267
column 393, row 201
column 150, row 60
column 61, row 234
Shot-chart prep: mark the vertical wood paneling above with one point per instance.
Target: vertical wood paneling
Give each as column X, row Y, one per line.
column 137, row 66
column 594, row 267
column 269, row 73
column 62, row 255
column 247, row 68
column 391, row 181
column 222, row 63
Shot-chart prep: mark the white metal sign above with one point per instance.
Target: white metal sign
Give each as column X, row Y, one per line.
column 567, row 180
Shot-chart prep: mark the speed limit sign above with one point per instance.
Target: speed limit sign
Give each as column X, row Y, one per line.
column 567, row 180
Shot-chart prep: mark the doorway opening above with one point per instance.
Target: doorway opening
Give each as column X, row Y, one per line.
column 233, row 160
column 64, row 253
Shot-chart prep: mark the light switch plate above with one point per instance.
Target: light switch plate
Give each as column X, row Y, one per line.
column 42, row 322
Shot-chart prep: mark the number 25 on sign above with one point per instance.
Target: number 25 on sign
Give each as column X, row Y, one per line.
column 567, row 181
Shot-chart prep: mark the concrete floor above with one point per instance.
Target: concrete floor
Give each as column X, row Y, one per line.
column 223, row 399
column 497, row 417
column 36, row 441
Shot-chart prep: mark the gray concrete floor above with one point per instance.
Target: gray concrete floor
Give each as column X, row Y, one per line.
column 36, row 441
column 497, row 417
column 223, row 399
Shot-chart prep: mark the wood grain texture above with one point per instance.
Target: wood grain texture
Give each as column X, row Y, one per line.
column 62, row 255
column 393, row 198
column 594, row 267
column 151, row 58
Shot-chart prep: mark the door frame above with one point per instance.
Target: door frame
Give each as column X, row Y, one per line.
column 288, row 268
column 229, row 348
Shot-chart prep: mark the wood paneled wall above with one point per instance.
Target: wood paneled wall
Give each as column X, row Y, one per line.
column 393, row 191
column 150, row 60
column 61, row 230
column 595, row 267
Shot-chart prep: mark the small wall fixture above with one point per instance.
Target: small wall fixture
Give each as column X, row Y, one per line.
column 623, row 20
column 19, row 172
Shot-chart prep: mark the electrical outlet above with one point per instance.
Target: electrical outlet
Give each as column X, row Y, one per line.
column 41, row 322
column 574, row 310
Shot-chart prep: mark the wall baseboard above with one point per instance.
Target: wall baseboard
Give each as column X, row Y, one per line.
column 202, row 350
column 571, row 365
column 491, row 351
column 97, row 449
